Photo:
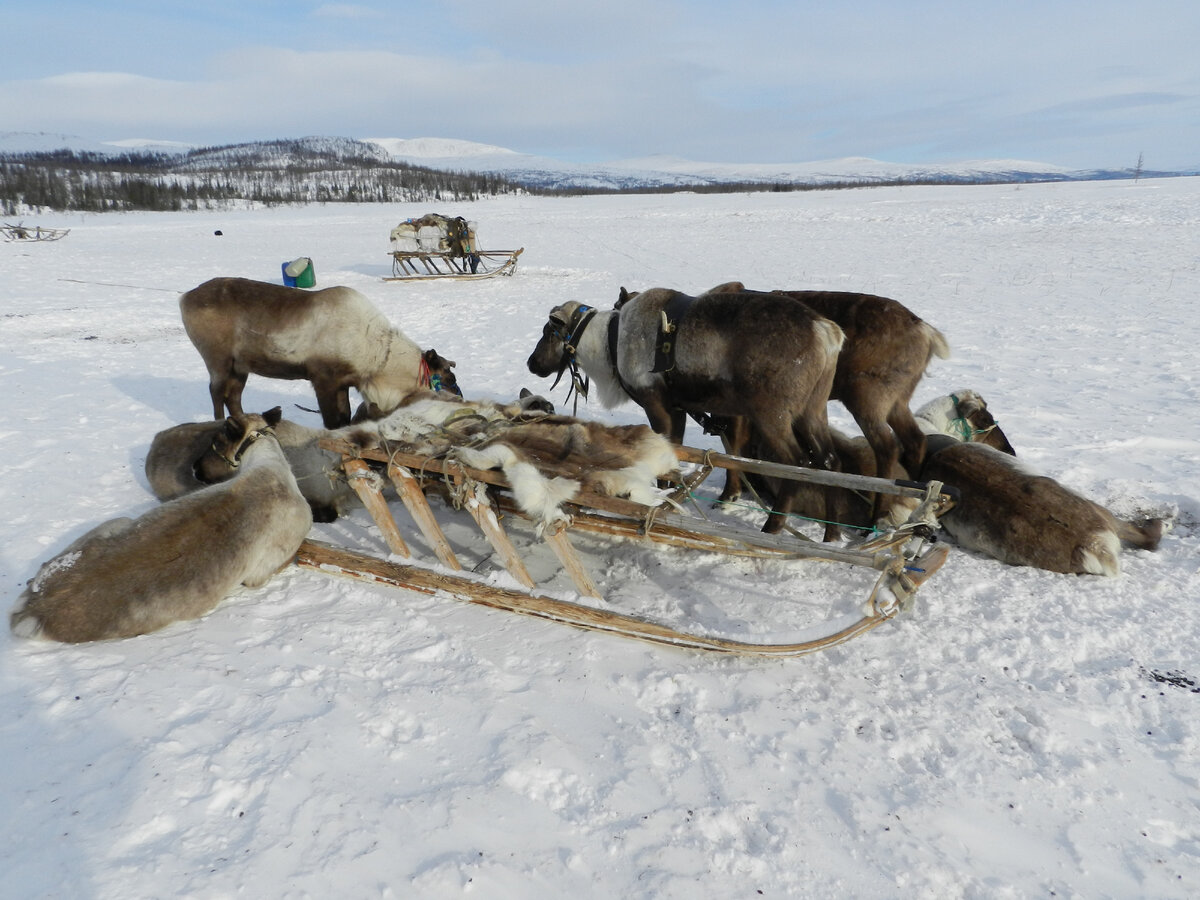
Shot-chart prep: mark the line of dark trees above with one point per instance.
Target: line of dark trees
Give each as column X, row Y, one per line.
column 64, row 180
column 281, row 172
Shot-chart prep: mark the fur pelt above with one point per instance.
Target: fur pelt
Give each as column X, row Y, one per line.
column 547, row 459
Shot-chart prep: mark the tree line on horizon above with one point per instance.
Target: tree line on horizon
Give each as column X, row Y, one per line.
column 288, row 172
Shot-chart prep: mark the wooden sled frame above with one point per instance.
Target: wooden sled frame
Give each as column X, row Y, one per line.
column 422, row 265
column 483, row 494
column 22, row 232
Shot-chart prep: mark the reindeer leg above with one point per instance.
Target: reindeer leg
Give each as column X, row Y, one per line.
column 234, row 385
column 814, row 437
column 735, row 436
column 663, row 420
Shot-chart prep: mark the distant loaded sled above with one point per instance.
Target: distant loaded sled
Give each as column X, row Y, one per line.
column 22, row 232
column 437, row 246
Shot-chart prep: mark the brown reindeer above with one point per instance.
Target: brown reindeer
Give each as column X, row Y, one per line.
column 1023, row 519
column 885, row 355
column 178, row 561
column 761, row 356
column 334, row 338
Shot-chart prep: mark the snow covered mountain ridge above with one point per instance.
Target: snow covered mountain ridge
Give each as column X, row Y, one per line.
column 447, row 154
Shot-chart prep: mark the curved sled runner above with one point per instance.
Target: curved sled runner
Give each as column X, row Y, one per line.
column 903, row 558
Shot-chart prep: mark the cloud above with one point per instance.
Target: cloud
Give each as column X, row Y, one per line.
column 767, row 81
column 346, row 11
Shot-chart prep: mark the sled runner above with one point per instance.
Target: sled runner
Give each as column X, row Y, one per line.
column 21, row 232
column 903, row 559
column 436, row 246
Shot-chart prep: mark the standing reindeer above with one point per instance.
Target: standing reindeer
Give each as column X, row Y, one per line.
column 764, row 357
column 334, row 338
column 885, row 355
column 132, row 576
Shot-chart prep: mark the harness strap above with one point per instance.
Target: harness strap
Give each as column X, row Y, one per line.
column 668, row 329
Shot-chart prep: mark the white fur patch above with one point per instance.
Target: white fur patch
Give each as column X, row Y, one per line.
column 539, row 497
column 1101, row 554
column 29, row 628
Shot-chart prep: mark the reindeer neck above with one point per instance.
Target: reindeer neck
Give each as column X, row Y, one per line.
column 596, row 352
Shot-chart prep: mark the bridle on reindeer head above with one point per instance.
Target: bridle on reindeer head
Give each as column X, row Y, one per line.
column 568, row 331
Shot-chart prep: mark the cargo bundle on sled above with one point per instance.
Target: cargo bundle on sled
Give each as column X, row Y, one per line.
column 437, row 246
column 483, row 459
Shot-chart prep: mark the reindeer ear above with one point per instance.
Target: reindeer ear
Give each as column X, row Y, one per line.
column 525, row 392
column 623, row 297
column 429, row 355
column 273, row 416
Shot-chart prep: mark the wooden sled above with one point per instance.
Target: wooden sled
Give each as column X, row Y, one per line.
column 904, row 559
column 22, row 232
column 421, row 265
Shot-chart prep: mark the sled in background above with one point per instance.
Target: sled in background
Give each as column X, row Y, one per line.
column 437, row 246
column 22, row 232
column 903, row 559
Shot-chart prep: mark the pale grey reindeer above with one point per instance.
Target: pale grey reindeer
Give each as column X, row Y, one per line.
column 334, row 338
column 179, row 560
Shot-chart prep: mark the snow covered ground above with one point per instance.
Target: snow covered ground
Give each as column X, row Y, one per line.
column 322, row 738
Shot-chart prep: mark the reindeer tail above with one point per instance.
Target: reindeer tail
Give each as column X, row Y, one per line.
column 938, row 345
column 1144, row 537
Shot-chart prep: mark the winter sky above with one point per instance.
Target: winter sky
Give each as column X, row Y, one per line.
column 1077, row 83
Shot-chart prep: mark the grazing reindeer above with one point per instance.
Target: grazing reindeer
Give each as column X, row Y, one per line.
column 334, row 338
column 755, row 355
column 178, row 561
column 885, row 354
column 1023, row 519
column 963, row 415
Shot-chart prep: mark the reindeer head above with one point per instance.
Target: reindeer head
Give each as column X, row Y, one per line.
column 222, row 459
column 441, row 374
column 556, row 348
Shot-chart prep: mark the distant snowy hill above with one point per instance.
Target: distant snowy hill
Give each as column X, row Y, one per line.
column 670, row 171
column 43, row 141
column 450, row 155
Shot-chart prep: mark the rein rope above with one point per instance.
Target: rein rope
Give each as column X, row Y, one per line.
column 962, row 427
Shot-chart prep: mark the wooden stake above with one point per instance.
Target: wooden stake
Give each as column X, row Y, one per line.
column 366, row 484
column 418, row 507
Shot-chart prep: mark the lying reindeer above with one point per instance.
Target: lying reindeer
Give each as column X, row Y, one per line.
column 178, row 561
column 1024, row 519
column 1008, row 512
column 184, row 458
column 334, row 338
